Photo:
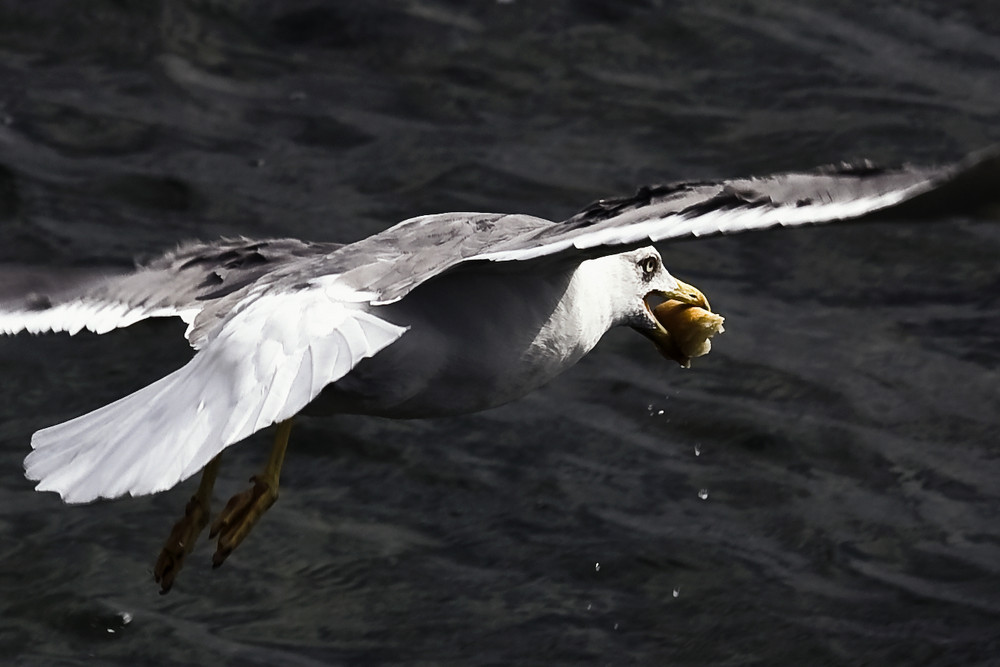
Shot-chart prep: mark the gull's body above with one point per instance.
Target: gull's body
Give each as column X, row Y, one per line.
column 463, row 355
column 442, row 314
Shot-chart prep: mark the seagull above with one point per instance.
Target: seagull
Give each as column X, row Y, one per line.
column 438, row 315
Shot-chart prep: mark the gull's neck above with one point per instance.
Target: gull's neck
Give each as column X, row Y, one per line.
column 587, row 310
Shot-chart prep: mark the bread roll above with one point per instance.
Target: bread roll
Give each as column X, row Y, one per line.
column 690, row 329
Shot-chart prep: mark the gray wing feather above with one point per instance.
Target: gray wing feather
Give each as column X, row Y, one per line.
column 179, row 283
column 393, row 262
column 198, row 272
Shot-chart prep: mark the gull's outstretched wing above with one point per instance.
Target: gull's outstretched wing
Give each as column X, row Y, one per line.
column 177, row 284
column 394, row 262
column 698, row 209
column 273, row 354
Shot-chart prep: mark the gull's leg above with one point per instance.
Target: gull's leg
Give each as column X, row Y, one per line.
column 186, row 530
column 244, row 509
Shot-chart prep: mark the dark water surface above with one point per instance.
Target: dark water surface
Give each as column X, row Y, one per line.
column 844, row 428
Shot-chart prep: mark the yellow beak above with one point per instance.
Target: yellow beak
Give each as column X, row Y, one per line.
column 688, row 294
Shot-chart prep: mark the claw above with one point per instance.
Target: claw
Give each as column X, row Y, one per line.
column 239, row 515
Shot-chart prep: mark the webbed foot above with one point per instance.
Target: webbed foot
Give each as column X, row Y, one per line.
column 240, row 515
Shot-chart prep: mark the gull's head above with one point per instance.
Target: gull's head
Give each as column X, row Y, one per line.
column 674, row 315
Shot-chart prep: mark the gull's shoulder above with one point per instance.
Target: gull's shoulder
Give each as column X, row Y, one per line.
column 391, row 263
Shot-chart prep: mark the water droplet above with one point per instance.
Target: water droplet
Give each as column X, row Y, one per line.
column 616, row 626
column 703, row 494
column 659, row 412
column 597, row 567
column 677, row 591
column 697, row 450
column 589, row 606
column 126, row 617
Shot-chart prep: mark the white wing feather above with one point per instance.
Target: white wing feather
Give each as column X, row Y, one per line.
column 264, row 365
column 75, row 316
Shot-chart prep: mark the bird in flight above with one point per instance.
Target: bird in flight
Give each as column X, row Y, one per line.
column 438, row 315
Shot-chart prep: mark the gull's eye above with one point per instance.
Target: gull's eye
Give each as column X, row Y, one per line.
column 649, row 265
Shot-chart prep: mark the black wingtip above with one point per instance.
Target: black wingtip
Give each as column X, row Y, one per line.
column 970, row 186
